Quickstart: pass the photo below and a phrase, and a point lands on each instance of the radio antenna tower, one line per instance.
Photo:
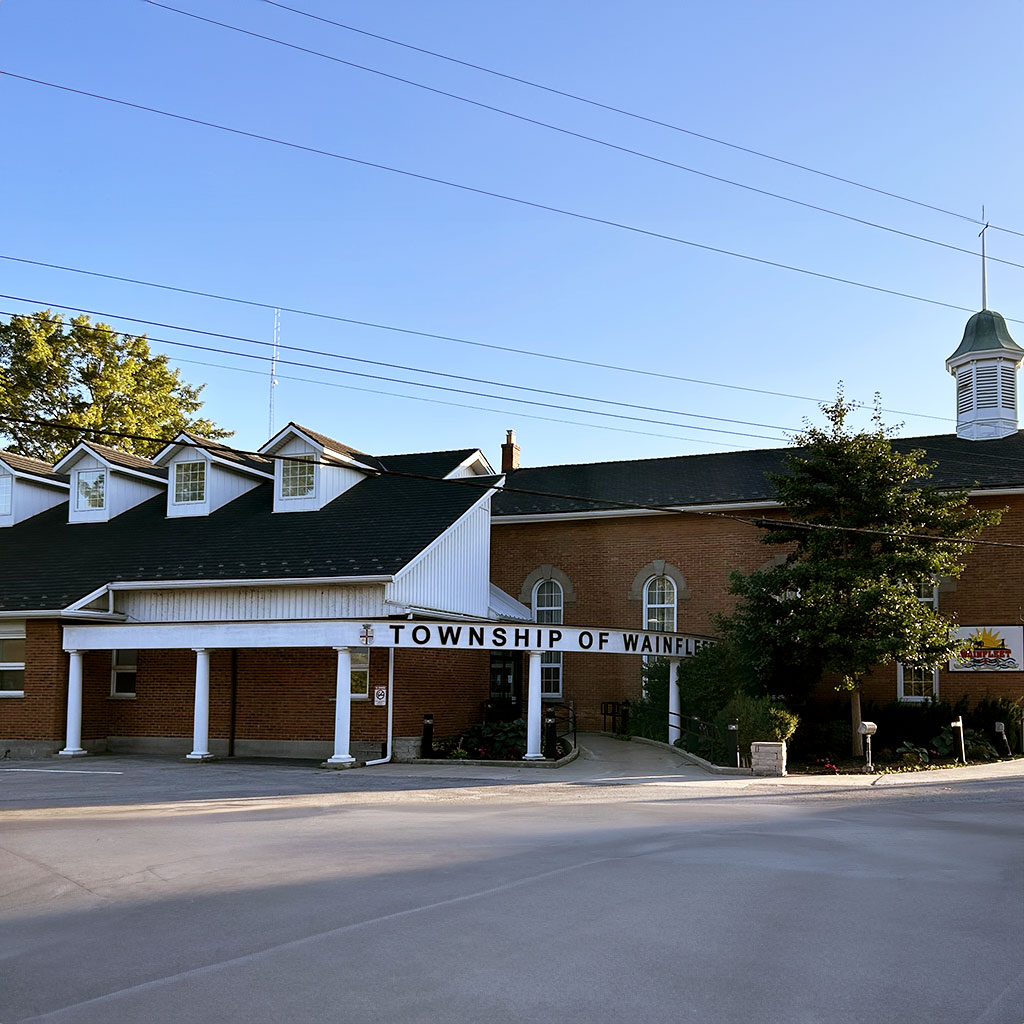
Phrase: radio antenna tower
(984, 264)
(273, 370)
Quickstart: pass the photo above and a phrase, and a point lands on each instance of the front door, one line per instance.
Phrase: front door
(506, 685)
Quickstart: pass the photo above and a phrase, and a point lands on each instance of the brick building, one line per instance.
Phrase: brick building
(228, 601)
(233, 599)
(569, 542)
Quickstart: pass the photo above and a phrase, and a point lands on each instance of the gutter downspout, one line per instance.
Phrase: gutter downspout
(391, 708)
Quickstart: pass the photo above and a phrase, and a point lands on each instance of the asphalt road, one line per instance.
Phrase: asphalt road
(625, 887)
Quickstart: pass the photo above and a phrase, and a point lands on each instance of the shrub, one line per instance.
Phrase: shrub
(498, 741)
(759, 719)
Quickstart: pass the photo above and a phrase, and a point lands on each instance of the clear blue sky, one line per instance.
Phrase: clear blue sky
(920, 99)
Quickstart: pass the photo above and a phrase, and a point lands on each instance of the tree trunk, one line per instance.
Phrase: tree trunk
(857, 743)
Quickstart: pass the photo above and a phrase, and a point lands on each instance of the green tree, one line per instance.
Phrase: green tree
(844, 596)
(88, 375)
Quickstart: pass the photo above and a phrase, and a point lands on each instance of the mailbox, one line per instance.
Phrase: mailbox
(867, 728)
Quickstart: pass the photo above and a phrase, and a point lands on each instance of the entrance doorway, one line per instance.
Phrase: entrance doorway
(506, 701)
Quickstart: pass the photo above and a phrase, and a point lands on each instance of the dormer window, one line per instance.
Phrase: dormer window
(189, 482)
(90, 489)
(6, 488)
(298, 477)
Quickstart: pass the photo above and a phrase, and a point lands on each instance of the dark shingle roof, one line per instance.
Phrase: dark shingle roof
(436, 464)
(222, 451)
(126, 460)
(729, 477)
(35, 467)
(337, 446)
(375, 528)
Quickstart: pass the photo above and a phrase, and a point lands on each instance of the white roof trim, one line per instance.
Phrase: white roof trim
(165, 455)
(292, 431)
(477, 457)
(416, 559)
(619, 513)
(48, 481)
(82, 448)
(283, 581)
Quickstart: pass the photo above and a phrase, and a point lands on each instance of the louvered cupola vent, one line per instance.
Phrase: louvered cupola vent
(985, 367)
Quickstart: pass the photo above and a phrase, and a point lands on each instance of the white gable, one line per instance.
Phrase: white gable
(101, 490)
(23, 496)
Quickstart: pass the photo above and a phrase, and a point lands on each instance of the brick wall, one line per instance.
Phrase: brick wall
(601, 557)
(41, 714)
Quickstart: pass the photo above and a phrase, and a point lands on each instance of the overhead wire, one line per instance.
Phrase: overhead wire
(637, 116)
(452, 376)
(439, 337)
(488, 484)
(459, 391)
(579, 135)
(588, 218)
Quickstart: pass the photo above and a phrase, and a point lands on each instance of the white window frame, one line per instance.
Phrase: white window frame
(927, 593)
(189, 485)
(13, 631)
(672, 605)
(359, 686)
(6, 494)
(120, 668)
(550, 612)
(291, 465)
(86, 506)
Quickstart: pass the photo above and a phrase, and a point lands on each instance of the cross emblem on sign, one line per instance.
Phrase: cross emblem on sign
(367, 634)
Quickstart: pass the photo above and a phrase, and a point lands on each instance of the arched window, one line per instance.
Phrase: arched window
(548, 605)
(660, 604)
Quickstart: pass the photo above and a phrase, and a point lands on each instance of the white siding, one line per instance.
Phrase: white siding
(330, 480)
(232, 604)
(29, 499)
(453, 574)
(121, 493)
(222, 485)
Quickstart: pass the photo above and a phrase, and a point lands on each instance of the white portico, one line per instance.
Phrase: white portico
(344, 636)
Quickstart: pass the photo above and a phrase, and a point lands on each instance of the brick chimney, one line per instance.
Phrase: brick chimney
(509, 453)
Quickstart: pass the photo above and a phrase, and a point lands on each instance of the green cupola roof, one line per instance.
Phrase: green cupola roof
(986, 334)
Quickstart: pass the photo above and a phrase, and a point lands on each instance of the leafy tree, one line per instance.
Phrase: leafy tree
(844, 597)
(88, 375)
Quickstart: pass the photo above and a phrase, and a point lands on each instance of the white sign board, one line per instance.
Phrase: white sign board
(464, 636)
(380, 696)
(989, 649)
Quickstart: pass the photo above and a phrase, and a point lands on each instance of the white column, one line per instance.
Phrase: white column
(674, 701)
(73, 745)
(343, 709)
(201, 716)
(533, 752)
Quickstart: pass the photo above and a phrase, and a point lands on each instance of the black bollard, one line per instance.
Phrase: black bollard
(550, 734)
(624, 720)
(427, 747)
(733, 729)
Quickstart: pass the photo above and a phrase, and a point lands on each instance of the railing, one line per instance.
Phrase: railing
(560, 721)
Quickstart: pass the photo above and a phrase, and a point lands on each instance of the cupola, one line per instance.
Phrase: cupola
(985, 367)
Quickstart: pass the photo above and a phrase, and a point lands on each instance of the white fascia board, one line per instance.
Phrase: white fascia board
(479, 459)
(412, 563)
(617, 513)
(286, 581)
(63, 613)
(431, 614)
(237, 467)
(47, 481)
(73, 456)
(82, 448)
(996, 492)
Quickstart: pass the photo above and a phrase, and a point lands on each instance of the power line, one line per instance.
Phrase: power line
(604, 221)
(578, 135)
(426, 334)
(434, 373)
(464, 405)
(637, 116)
(488, 485)
(458, 391)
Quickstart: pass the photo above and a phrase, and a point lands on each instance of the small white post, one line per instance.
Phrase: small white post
(201, 714)
(533, 752)
(674, 702)
(73, 744)
(343, 709)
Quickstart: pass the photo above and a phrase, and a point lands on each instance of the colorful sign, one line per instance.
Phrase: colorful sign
(989, 649)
